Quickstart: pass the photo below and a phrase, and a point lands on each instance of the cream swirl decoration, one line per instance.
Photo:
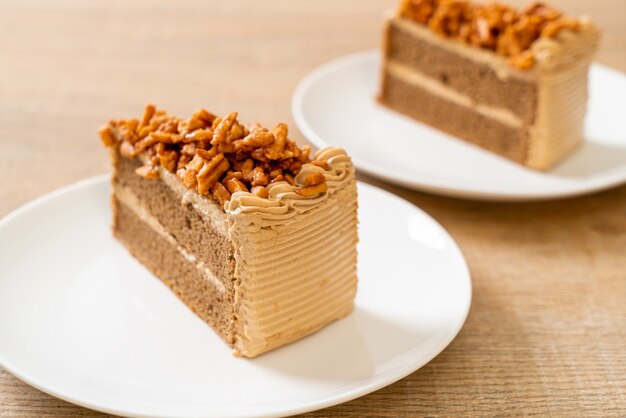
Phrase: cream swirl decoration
(568, 49)
(283, 201)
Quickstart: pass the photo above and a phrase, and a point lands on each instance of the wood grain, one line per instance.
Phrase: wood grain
(547, 328)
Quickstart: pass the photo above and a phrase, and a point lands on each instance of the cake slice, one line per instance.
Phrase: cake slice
(258, 239)
(512, 82)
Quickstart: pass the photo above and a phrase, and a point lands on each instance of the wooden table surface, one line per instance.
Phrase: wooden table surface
(546, 334)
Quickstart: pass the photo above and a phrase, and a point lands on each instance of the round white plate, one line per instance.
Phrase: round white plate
(335, 105)
(82, 320)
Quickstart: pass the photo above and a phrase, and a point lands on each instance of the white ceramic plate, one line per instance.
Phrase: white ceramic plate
(334, 105)
(82, 320)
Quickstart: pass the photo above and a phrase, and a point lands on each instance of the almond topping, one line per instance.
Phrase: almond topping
(312, 190)
(260, 191)
(234, 185)
(502, 29)
(220, 193)
(215, 156)
(148, 172)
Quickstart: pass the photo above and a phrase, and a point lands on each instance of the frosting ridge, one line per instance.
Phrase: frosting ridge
(296, 256)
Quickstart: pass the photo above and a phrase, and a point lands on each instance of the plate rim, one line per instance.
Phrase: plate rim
(444, 187)
(335, 397)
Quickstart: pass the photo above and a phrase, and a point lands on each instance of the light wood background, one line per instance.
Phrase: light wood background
(546, 334)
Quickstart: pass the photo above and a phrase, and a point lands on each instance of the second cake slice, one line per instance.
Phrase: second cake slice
(513, 82)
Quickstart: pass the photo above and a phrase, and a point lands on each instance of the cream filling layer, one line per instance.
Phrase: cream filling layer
(412, 76)
(128, 198)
